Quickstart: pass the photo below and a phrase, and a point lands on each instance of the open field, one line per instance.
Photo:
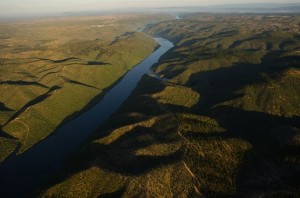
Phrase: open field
(52, 69)
(227, 123)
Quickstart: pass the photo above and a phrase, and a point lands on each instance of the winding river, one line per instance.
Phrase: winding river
(21, 174)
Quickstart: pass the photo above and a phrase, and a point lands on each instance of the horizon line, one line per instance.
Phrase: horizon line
(145, 8)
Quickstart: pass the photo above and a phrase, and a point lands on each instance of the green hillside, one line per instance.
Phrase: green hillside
(53, 69)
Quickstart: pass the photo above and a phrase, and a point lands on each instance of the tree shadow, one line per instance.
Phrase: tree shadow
(117, 193)
(22, 83)
(34, 102)
(6, 135)
(93, 63)
(4, 108)
(78, 83)
(210, 135)
(73, 61)
(126, 35)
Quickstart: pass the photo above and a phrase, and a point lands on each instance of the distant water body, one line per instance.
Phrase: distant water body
(21, 174)
(178, 17)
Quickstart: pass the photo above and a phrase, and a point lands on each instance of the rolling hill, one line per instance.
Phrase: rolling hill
(225, 123)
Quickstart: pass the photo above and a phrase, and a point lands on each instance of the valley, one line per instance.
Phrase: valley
(225, 123)
(218, 115)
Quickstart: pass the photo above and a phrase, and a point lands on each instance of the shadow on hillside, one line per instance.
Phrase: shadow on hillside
(126, 35)
(115, 194)
(93, 63)
(22, 83)
(59, 61)
(201, 136)
(3, 134)
(252, 38)
(251, 125)
(73, 60)
(223, 84)
(78, 83)
(140, 106)
(6, 135)
(267, 167)
(4, 108)
(34, 102)
(128, 153)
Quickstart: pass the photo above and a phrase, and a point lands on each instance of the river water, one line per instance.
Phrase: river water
(21, 174)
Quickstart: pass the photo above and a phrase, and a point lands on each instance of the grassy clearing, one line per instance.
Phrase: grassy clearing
(185, 97)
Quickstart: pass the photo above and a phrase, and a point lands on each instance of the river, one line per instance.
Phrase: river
(22, 174)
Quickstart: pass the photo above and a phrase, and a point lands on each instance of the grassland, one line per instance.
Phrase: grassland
(225, 124)
(52, 69)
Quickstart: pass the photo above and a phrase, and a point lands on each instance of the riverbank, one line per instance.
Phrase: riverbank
(48, 81)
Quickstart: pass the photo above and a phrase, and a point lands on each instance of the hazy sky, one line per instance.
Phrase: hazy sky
(15, 7)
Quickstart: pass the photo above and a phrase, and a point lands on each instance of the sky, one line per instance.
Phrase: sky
(23, 7)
